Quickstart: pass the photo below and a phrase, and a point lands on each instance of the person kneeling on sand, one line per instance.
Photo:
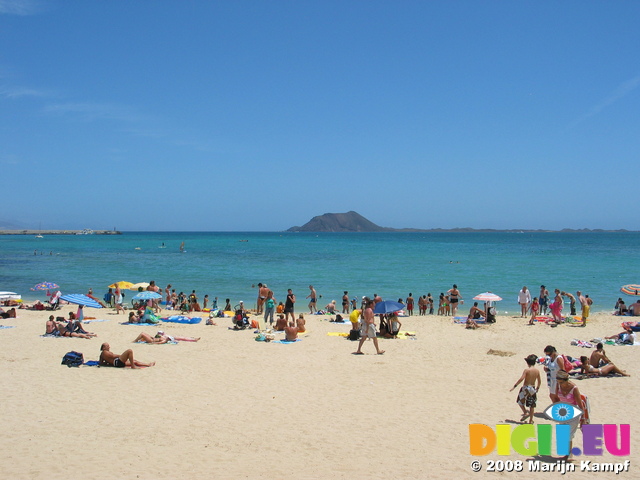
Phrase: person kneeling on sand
(110, 359)
(291, 332)
(161, 338)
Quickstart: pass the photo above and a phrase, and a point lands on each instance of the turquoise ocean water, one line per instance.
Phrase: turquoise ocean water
(226, 265)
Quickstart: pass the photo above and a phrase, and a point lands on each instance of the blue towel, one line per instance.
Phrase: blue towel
(141, 324)
(7, 326)
(92, 363)
(287, 341)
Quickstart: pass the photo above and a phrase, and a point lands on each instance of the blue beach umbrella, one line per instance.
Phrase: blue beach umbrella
(45, 286)
(387, 306)
(146, 296)
(80, 299)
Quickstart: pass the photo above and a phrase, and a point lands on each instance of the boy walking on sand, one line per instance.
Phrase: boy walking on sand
(527, 396)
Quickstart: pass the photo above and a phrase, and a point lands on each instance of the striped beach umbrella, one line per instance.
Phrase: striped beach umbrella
(487, 297)
(80, 299)
(631, 289)
(45, 286)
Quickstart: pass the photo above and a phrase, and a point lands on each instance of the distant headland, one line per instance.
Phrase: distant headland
(354, 222)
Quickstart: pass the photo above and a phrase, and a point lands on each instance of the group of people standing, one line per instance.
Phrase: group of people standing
(561, 388)
(541, 304)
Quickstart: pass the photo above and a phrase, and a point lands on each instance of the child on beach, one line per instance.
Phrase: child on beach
(527, 396)
(535, 308)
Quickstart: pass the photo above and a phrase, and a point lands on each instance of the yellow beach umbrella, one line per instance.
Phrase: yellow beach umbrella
(137, 286)
(122, 284)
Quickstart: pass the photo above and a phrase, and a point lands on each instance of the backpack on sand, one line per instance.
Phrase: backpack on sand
(73, 359)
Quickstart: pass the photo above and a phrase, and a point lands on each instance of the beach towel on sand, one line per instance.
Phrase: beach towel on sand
(287, 341)
(141, 324)
(462, 320)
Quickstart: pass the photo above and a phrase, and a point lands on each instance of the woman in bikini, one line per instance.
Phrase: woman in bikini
(454, 298)
(161, 338)
(588, 369)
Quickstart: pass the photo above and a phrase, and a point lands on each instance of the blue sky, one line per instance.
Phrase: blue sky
(258, 115)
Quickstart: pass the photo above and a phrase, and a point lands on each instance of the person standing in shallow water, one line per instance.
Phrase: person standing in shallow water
(345, 302)
(409, 303)
(543, 299)
(524, 299)
(313, 298)
(454, 299)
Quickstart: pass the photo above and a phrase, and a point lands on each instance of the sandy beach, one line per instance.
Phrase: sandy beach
(231, 407)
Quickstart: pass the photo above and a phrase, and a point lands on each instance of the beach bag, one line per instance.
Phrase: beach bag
(354, 335)
(587, 409)
(568, 365)
(73, 359)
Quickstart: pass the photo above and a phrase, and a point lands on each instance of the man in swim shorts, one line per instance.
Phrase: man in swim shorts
(313, 298)
(110, 359)
(263, 290)
(543, 299)
(368, 329)
(586, 307)
(528, 394)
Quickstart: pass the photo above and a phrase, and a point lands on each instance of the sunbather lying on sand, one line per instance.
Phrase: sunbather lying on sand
(108, 358)
(162, 338)
(63, 329)
(586, 368)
